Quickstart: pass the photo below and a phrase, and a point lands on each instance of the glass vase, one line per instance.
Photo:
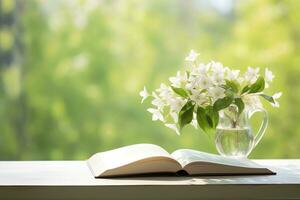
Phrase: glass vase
(234, 134)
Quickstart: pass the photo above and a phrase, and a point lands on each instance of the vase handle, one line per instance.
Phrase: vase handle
(263, 125)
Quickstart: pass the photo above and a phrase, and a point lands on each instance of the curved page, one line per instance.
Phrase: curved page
(134, 159)
(188, 156)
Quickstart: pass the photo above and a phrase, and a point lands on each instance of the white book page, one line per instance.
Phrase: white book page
(187, 156)
(112, 159)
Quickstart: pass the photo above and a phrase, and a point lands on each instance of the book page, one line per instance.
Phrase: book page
(188, 156)
(117, 161)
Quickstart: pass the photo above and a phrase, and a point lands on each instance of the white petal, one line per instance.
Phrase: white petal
(269, 75)
(151, 110)
(277, 95)
(194, 123)
(144, 94)
(155, 95)
(276, 104)
(173, 127)
(156, 114)
(216, 92)
(174, 115)
(233, 74)
(158, 103)
(251, 74)
(192, 56)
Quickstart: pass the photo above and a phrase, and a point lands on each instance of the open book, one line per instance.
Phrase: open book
(148, 158)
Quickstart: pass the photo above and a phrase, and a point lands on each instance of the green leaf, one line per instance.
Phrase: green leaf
(232, 85)
(258, 86)
(213, 115)
(229, 93)
(226, 87)
(207, 118)
(180, 91)
(202, 120)
(223, 103)
(240, 104)
(268, 98)
(245, 89)
(186, 114)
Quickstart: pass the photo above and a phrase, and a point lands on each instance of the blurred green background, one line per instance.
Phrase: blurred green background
(71, 70)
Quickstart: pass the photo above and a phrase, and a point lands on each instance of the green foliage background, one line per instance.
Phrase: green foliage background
(73, 88)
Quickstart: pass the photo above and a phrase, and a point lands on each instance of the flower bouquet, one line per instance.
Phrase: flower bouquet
(204, 93)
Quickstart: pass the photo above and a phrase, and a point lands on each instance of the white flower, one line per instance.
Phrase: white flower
(176, 103)
(218, 79)
(178, 79)
(268, 77)
(251, 74)
(174, 116)
(173, 127)
(159, 103)
(240, 80)
(216, 93)
(276, 96)
(204, 82)
(218, 73)
(202, 69)
(192, 56)
(198, 97)
(217, 67)
(175, 80)
(156, 114)
(191, 84)
(252, 101)
(144, 94)
(164, 91)
(233, 74)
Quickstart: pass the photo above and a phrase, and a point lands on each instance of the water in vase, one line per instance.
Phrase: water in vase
(234, 142)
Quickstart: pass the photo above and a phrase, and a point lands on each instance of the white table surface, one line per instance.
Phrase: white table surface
(73, 180)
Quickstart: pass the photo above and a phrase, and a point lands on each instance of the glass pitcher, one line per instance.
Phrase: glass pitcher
(234, 135)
